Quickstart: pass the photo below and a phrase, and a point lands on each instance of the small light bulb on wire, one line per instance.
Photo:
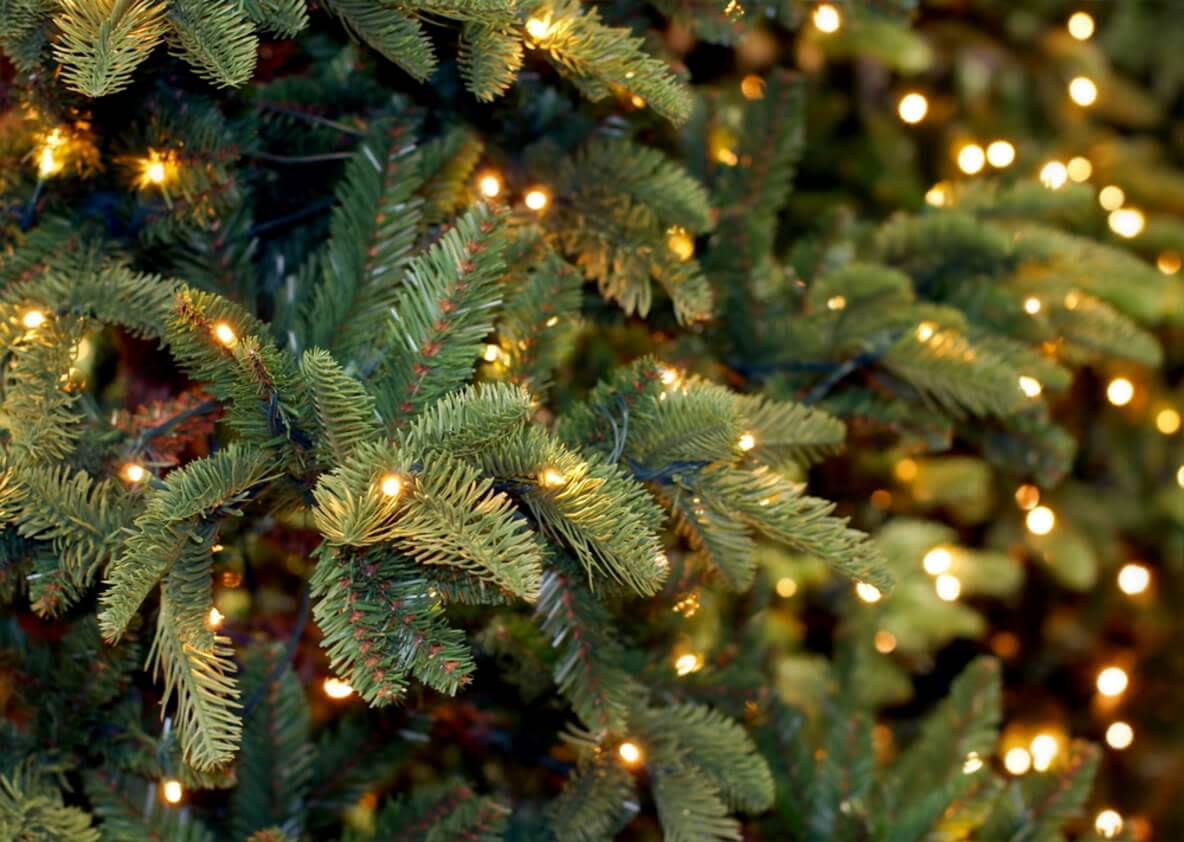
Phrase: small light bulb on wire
(215, 618)
(1083, 91)
(536, 199)
(972, 763)
(679, 241)
(1167, 421)
(867, 592)
(913, 107)
(172, 791)
(786, 587)
(827, 18)
(752, 87)
(538, 28)
(225, 334)
(156, 170)
(391, 485)
(1079, 169)
(134, 472)
(630, 753)
(747, 441)
(337, 689)
(491, 354)
(33, 319)
(688, 663)
(1044, 750)
(1030, 386)
(938, 195)
(884, 641)
(1032, 305)
(490, 186)
(1169, 262)
(552, 478)
(948, 587)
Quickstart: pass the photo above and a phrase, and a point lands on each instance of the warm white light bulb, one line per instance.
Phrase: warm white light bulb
(1030, 386)
(1081, 25)
(1120, 391)
(747, 442)
(172, 791)
(913, 107)
(948, 587)
(1040, 520)
(33, 319)
(536, 200)
(827, 18)
(1108, 824)
(1111, 197)
(1119, 735)
(335, 688)
(1053, 175)
(490, 186)
(1000, 154)
(225, 334)
(867, 592)
(971, 158)
(392, 485)
(1017, 761)
(1126, 222)
(1133, 579)
(937, 561)
(630, 752)
(1112, 681)
(1083, 91)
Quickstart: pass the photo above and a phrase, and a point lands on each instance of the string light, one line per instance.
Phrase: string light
(687, 664)
(551, 322)
(630, 752)
(133, 472)
(971, 158)
(1133, 579)
(1017, 761)
(925, 331)
(215, 618)
(1040, 520)
(636, 101)
(172, 791)
(868, 593)
(33, 319)
(491, 354)
(337, 689)
(490, 186)
(1167, 421)
(538, 28)
(225, 334)
(1112, 681)
(913, 107)
(1080, 169)
(1108, 824)
(1126, 222)
(1081, 25)
(836, 302)
(1044, 751)
(752, 87)
(1168, 262)
(948, 587)
(536, 199)
(1111, 197)
(884, 641)
(938, 195)
(1027, 497)
(786, 587)
(747, 442)
(156, 170)
(679, 241)
(1119, 735)
(937, 561)
(1083, 91)
(1030, 386)
(48, 162)
(1000, 154)
(972, 764)
(827, 18)
(1032, 306)
(1053, 175)
(391, 485)
(1120, 391)
(552, 478)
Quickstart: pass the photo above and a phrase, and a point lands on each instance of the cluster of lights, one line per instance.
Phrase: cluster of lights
(1129, 222)
(490, 186)
(972, 158)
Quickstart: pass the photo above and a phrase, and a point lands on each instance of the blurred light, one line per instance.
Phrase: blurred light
(786, 587)
(1081, 25)
(1111, 197)
(1017, 761)
(551, 322)
(1127, 222)
(905, 470)
(687, 664)
(1133, 579)
(1168, 262)
(536, 200)
(868, 593)
(668, 376)
(1041, 520)
(1167, 421)
(630, 753)
(913, 107)
(827, 18)
(33, 319)
(490, 186)
(1005, 644)
(537, 28)
(1080, 169)
(491, 354)
(753, 87)
(1031, 306)
(679, 241)
(215, 618)
(335, 688)
(636, 101)
(925, 331)
(1119, 735)
(937, 561)
(1000, 154)
(726, 156)
(392, 485)
(553, 478)
(885, 642)
(747, 442)
(172, 791)
(1180, 476)
(1083, 91)
(1027, 496)
(224, 333)
(836, 302)
(1044, 751)
(948, 587)
(938, 195)
(973, 763)
(881, 498)
(1112, 681)
(1108, 824)
(1053, 175)
(1030, 386)
(971, 158)
(134, 472)
(1120, 391)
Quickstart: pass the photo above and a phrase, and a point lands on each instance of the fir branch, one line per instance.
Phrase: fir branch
(102, 42)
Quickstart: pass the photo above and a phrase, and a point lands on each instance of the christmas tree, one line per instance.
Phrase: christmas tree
(556, 420)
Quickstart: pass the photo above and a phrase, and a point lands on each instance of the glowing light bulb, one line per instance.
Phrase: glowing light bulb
(392, 485)
(1108, 824)
(1180, 476)
(971, 158)
(133, 472)
(155, 170)
(1027, 496)
(1044, 751)
(1133, 579)
(913, 107)
(687, 664)
(1040, 520)
(867, 592)
(885, 642)
(727, 157)
(679, 241)
(938, 195)
(747, 442)
(906, 470)
(1126, 222)
(1119, 735)
(752, 87)
(538, 28)
(937, 561)
(972, 764)
(1081, 25)
(836, 302)
(491, 354)
(948, 587)
(1112, 681)
(1053, 175)
(1169, 262)
(48, 163)
(1111, 197)
(172, 791)
(225, 334)
(1000, 154)
(490, 186)
(1017, 761)
(1080, 169)
(630, 752)
(925, 331)
(1032, 306)
(1083, 91)
(552, 478)
(1167, 421)
(215, 618)
(827, 18)
(536, 200)
(33, 319)
(1120, 391)
(786, 587)
(335, 688)
(668, 377)
(1030, 386)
